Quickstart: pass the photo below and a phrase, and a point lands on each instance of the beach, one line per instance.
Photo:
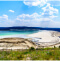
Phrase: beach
(16, 43)
(47, 38)
(37, 40)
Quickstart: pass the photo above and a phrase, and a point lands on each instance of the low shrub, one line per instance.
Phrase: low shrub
(59, 46)
(20, 57)
(54, 46)
(32, 49)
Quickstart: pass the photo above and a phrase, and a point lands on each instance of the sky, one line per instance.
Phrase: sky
(31, 13)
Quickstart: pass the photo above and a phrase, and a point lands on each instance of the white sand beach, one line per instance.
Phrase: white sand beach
(45, 36)
(41, 39)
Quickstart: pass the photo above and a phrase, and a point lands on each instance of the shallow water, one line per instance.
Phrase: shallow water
(19, 33)
(2, 33)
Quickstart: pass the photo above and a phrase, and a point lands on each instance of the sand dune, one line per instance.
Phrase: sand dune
(16, 43)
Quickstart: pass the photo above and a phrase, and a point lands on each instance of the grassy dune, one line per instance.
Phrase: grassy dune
(31, 54)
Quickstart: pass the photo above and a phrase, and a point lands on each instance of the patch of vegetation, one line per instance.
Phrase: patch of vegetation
(32, 49)
(20, 57)
(59, 46)
(32, 54)
(54, 47)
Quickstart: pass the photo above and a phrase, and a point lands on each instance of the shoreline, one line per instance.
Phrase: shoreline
(16, 43)
(40, 39)
(47, 38)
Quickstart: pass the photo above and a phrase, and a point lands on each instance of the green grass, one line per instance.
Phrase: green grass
(39, 54)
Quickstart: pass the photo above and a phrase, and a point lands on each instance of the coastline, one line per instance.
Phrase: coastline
(16, 43)
(40, 39)
(47, 38)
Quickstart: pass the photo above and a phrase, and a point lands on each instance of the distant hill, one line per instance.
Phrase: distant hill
(28, 28)
(18, 28)
(53, 29)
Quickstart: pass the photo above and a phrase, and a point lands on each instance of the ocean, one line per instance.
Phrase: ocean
(19, 33)
(6, 32)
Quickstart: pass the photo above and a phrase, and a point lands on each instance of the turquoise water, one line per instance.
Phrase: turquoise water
(4, 33)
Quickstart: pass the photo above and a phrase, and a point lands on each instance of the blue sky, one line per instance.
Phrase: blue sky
(34, 13)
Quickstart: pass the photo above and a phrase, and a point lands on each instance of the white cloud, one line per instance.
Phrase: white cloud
(35, 2)
(41, 2)
(11, 11)
(31, 20)
(48, 14)
(35, 20)
(49, 8)
(43, 19)
(54, 2)
(5, 21)
(49, 11)
(35, 17)
(4, 17)
(27, 17)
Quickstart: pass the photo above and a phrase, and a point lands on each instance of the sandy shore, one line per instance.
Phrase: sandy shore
(36, 40)
(16, 43)
(47, 38)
